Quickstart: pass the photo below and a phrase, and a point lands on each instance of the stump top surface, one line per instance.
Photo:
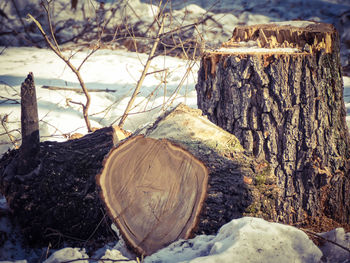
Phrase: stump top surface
(154, 192)
(281, 37)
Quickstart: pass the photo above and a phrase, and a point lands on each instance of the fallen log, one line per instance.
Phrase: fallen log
(183, 176)
(237, 185)
(278, 87)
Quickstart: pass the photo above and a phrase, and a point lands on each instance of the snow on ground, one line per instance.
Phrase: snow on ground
(116, 71)
(243, 240)
(248, 240)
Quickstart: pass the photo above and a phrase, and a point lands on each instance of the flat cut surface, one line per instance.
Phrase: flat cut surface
(154, 191)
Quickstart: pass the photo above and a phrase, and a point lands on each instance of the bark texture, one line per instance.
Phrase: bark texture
(286, 106)
(58, 201)
(238, 185)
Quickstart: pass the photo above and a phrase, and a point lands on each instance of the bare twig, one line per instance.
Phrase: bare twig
(143, 75)
(76, 89)
(89, 55)
(157, 71)
(4, 120)
(47, 9)
(2, 51)
(325, 239)
(14, 101)
(73, 68)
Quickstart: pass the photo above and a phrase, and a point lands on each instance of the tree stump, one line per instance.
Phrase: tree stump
(278, 88)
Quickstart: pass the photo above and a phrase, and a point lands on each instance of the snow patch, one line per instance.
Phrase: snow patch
(67, 254)
(335, 253)
(249, 240)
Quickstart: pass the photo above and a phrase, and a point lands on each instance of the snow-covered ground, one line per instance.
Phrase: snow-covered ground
(116, 71)
(241, 240)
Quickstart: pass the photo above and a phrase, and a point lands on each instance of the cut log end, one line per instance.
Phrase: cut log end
(290, 36)
(154, 191)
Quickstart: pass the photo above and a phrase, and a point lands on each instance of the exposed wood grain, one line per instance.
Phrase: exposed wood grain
(154, 190)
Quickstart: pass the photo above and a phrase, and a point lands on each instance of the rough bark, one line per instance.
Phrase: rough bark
(282, 96)
(58, 202)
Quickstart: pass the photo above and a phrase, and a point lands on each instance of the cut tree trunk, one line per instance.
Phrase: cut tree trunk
(279, 89)
(184, 175)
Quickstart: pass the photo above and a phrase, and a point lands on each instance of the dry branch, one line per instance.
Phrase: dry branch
(73, 68)
(76, 89)
(143, 75)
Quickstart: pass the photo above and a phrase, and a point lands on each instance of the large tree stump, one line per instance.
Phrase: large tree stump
(184, 175)
(278, 88)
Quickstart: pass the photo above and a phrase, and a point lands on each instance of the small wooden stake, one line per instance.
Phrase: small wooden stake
(30, 126)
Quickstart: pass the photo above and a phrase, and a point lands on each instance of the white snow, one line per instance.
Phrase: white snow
(339, 254)
(67, 254)
(113, 70)
(241, 240)
(247, 239)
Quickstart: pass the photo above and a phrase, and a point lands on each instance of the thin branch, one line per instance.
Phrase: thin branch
(77, 90)
(144, 72)
(157, 71)
(75, 71)
(325, 239)
(89, 55)
(10, 131)
(47, 9)
(2, 51)
(14, 101)
(75, 102)
(4, 120)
